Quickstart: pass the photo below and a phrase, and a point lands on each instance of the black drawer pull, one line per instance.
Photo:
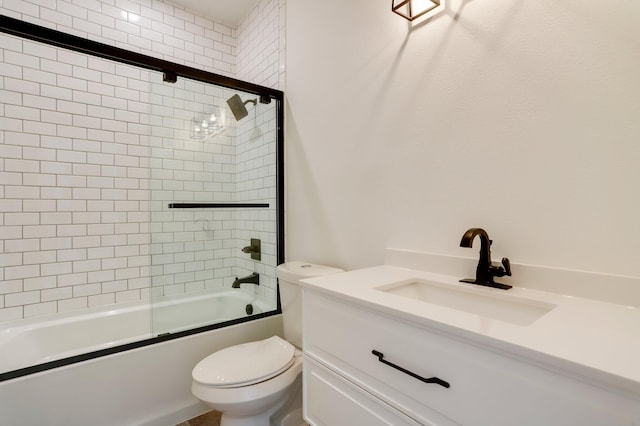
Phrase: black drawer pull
(435, 380)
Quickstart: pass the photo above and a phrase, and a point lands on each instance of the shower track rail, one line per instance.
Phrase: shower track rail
(171, 71)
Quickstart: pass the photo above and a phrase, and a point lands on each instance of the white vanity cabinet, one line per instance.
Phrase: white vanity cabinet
(345, 383)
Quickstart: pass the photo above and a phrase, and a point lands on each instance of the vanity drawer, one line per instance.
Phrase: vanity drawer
(486, 388)
(334, 401)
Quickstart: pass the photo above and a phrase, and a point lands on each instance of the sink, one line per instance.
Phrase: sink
(499, 306)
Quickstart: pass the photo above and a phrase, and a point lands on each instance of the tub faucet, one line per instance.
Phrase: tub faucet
(249, 279)
(485, 270)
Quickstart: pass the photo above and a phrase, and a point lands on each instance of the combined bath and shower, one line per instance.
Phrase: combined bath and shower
(238, 106)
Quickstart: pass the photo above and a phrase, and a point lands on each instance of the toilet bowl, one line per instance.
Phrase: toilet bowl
(260, 383)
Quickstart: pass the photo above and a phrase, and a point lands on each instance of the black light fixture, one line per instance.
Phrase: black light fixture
(412, 9)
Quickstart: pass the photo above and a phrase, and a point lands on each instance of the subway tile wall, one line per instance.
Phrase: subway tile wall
(83, 203)
(261, 44)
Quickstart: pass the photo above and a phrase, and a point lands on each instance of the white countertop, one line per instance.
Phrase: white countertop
(597, 340)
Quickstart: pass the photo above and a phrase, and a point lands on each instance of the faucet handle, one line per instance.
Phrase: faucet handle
(507, 266)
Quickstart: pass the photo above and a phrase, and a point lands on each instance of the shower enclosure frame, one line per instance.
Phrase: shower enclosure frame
(171, 72)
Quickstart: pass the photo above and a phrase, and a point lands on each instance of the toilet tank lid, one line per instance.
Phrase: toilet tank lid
(245, 364)
(296, 270)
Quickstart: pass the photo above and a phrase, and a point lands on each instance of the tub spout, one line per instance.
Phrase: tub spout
(249, 279)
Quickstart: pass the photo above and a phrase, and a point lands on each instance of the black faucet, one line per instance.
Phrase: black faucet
(249, 279)
(485, 270)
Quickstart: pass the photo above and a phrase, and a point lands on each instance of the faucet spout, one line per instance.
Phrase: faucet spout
(485, 271)
(249, 279)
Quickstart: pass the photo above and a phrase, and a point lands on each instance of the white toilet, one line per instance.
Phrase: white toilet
(260, 383)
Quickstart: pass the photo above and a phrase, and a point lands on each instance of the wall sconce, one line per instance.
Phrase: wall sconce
(207, 124)
(412, 9)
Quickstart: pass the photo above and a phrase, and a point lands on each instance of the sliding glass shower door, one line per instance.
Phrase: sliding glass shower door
(213, 191)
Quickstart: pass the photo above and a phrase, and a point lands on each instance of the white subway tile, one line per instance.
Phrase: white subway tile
(39, 231)
(86, 169)
(20, 85)
(39, 76)
(56, 294)
(55, 218)
(71, 132)
(57, 243)
(114, 286)
(20, 59)
(71, 205)
(100, 206)
(100, 229)
(128, 296)
(84, 242)
(55, 193)
(86, 26)
(86, 217)
(124, 173)
(71, 255)
(10, 313)
(39, 283)
(85, 265)
(44, 154)
(59, 268)
(38, 309)
(99, 18)
(53, 167)
(100, 252)
(86, 289)
(72, 279)
(71, 9)
(102, 299)
(101, 276)
(114, 263)
(87, 98)
(21, 113)
(21, 219)
(72, 304)
(55, 92)
(24, 298)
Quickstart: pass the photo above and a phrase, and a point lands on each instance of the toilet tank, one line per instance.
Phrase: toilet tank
(289, 275)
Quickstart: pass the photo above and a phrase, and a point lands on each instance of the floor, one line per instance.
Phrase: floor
(212, 418)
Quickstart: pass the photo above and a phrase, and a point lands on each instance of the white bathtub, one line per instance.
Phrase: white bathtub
(35, 341)
(148, 385)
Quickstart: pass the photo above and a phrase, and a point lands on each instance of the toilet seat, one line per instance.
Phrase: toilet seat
(245, 364)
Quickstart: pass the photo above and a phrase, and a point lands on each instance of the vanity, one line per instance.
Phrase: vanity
(406, 343)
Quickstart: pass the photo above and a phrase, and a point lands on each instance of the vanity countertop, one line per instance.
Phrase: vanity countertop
(596, 340)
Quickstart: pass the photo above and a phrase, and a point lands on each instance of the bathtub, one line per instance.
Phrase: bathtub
(39, 340)
(146, 385)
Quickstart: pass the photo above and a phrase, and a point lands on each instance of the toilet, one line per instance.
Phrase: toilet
(260, 383)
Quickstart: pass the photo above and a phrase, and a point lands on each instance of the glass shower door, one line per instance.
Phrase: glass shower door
(213, 191)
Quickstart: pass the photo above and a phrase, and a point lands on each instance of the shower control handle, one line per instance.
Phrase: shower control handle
(254, 249)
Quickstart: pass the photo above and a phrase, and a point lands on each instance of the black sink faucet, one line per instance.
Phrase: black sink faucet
(485, 270)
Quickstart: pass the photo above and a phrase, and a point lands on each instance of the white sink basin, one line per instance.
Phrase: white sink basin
(488, 303)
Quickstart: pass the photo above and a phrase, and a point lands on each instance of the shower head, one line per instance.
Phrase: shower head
(238, 107)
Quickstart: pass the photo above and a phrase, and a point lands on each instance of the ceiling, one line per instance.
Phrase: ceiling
(228, 11)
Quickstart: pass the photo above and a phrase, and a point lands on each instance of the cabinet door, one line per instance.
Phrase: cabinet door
(333, 401)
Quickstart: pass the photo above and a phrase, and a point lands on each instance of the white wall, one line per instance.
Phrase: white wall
(519, 117)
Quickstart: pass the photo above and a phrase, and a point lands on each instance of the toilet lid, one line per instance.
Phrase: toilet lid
(245, 364)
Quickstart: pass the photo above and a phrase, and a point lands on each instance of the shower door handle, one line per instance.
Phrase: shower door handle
(434, 380)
